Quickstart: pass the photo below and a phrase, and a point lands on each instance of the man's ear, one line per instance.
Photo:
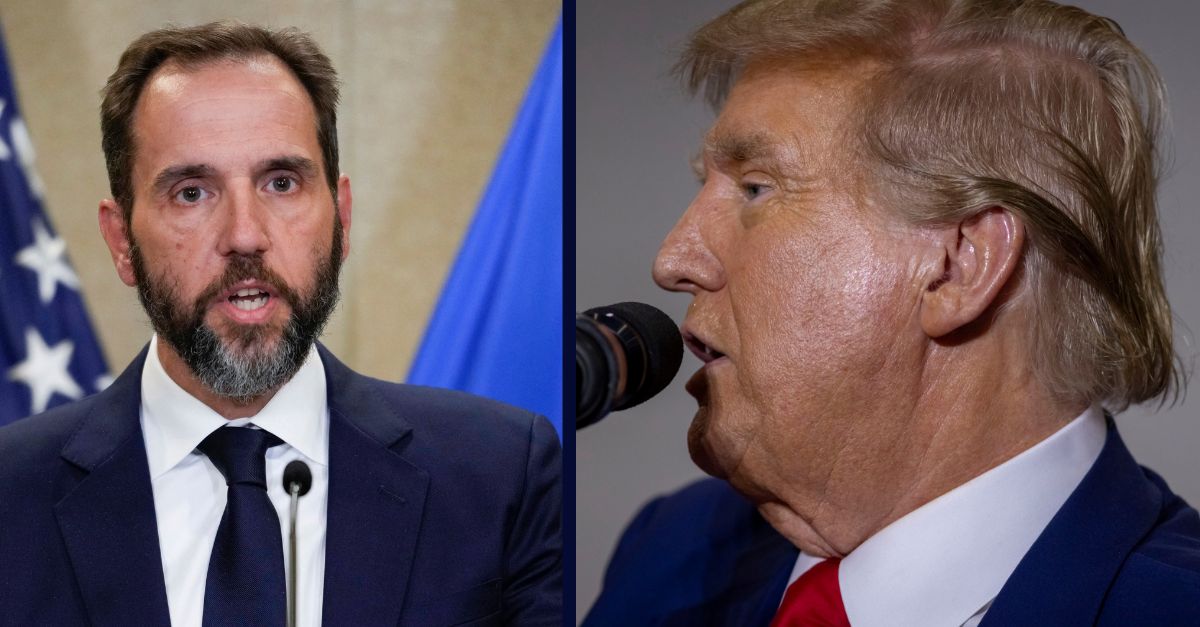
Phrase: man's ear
(344, 210)
(980, 256)
(116, 234)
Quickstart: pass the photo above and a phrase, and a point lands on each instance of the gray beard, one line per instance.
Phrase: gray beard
(244, 367)
(243, 377)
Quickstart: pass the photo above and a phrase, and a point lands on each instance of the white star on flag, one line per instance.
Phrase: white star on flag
(45, 370)
(47, 257)
(19, 135)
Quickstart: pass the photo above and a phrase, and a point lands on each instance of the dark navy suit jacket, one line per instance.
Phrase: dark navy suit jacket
(444, 509)
(1122, 551)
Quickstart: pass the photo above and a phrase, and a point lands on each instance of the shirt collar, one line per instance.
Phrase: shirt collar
(174, 422)
(943, 562)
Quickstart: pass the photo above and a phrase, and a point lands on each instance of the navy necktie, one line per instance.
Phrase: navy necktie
(245, 583)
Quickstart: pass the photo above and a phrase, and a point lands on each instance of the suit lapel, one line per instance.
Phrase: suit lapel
(107, 521)
(376, 501)
(744, 584)
(764, 573)
(1065, 576)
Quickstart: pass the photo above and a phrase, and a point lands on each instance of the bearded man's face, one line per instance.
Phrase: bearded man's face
(247, 360)
(235, 240)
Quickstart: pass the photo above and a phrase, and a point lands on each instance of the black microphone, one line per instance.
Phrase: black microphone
(624, 354)
(297, 481)
(296, 475)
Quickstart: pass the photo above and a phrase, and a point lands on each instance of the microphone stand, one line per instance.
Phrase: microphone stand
(294, 490)
(297, 480)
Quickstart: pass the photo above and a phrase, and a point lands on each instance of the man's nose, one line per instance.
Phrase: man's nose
(245, 228)
(686, 261)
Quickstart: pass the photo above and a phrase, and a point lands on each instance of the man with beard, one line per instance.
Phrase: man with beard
(160, 500)
(924, 270)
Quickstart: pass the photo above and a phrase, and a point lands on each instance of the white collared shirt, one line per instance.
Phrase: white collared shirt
(943, 564)
(190, 493)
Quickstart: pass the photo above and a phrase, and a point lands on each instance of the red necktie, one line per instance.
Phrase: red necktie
(813, 600)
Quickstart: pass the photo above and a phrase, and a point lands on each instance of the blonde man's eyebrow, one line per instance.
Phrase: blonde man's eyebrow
(738, 147)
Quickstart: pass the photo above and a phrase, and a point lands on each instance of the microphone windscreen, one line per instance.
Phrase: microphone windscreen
(661, 341)
(297, 472)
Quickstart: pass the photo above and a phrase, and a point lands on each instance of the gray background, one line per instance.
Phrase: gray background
(635, 132)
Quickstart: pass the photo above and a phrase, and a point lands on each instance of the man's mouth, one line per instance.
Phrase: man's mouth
(699, 348)
(248, 302)
(250, 299)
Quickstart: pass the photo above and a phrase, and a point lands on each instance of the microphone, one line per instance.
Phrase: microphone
(624, 354)
(297, 481)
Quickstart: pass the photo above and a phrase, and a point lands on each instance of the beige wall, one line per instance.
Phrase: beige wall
(430, 89)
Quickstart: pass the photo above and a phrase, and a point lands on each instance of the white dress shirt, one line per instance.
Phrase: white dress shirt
(943, 564)
(190, 493)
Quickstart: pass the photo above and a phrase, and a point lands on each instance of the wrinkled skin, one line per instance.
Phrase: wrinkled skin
(833, 406)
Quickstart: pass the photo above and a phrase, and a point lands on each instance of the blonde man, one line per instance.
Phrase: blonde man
(924, 269)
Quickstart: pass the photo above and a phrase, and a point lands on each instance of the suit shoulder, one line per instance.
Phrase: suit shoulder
(1174, 541)
(449, 403)
(1173, 583)
(417, 400)
(1164, 566)
(452, 410)
(31, 448)
(705, 513)
(41, 435)
(698, 554)
(704, 499)
(462, 433)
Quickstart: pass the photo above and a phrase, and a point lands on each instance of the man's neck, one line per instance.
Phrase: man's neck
(226, 407)
(974, 415)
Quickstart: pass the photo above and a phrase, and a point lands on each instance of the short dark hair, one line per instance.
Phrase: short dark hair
(195, 45)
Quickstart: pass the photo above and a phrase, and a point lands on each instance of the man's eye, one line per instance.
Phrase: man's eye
(190, 195)
(283, 184)
(752, 190)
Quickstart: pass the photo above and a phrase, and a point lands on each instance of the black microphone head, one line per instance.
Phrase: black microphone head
(297, 472)
(660, 339)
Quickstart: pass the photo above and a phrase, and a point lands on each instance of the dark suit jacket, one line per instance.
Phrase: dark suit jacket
(1122, 551)
(444, 509)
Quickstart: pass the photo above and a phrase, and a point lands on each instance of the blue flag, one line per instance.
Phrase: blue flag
(497, 329)
(48, 353)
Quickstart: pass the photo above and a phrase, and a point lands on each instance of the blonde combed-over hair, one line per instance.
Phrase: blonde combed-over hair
(1043, 109)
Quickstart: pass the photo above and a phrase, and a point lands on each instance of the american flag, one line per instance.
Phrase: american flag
(48, 352)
